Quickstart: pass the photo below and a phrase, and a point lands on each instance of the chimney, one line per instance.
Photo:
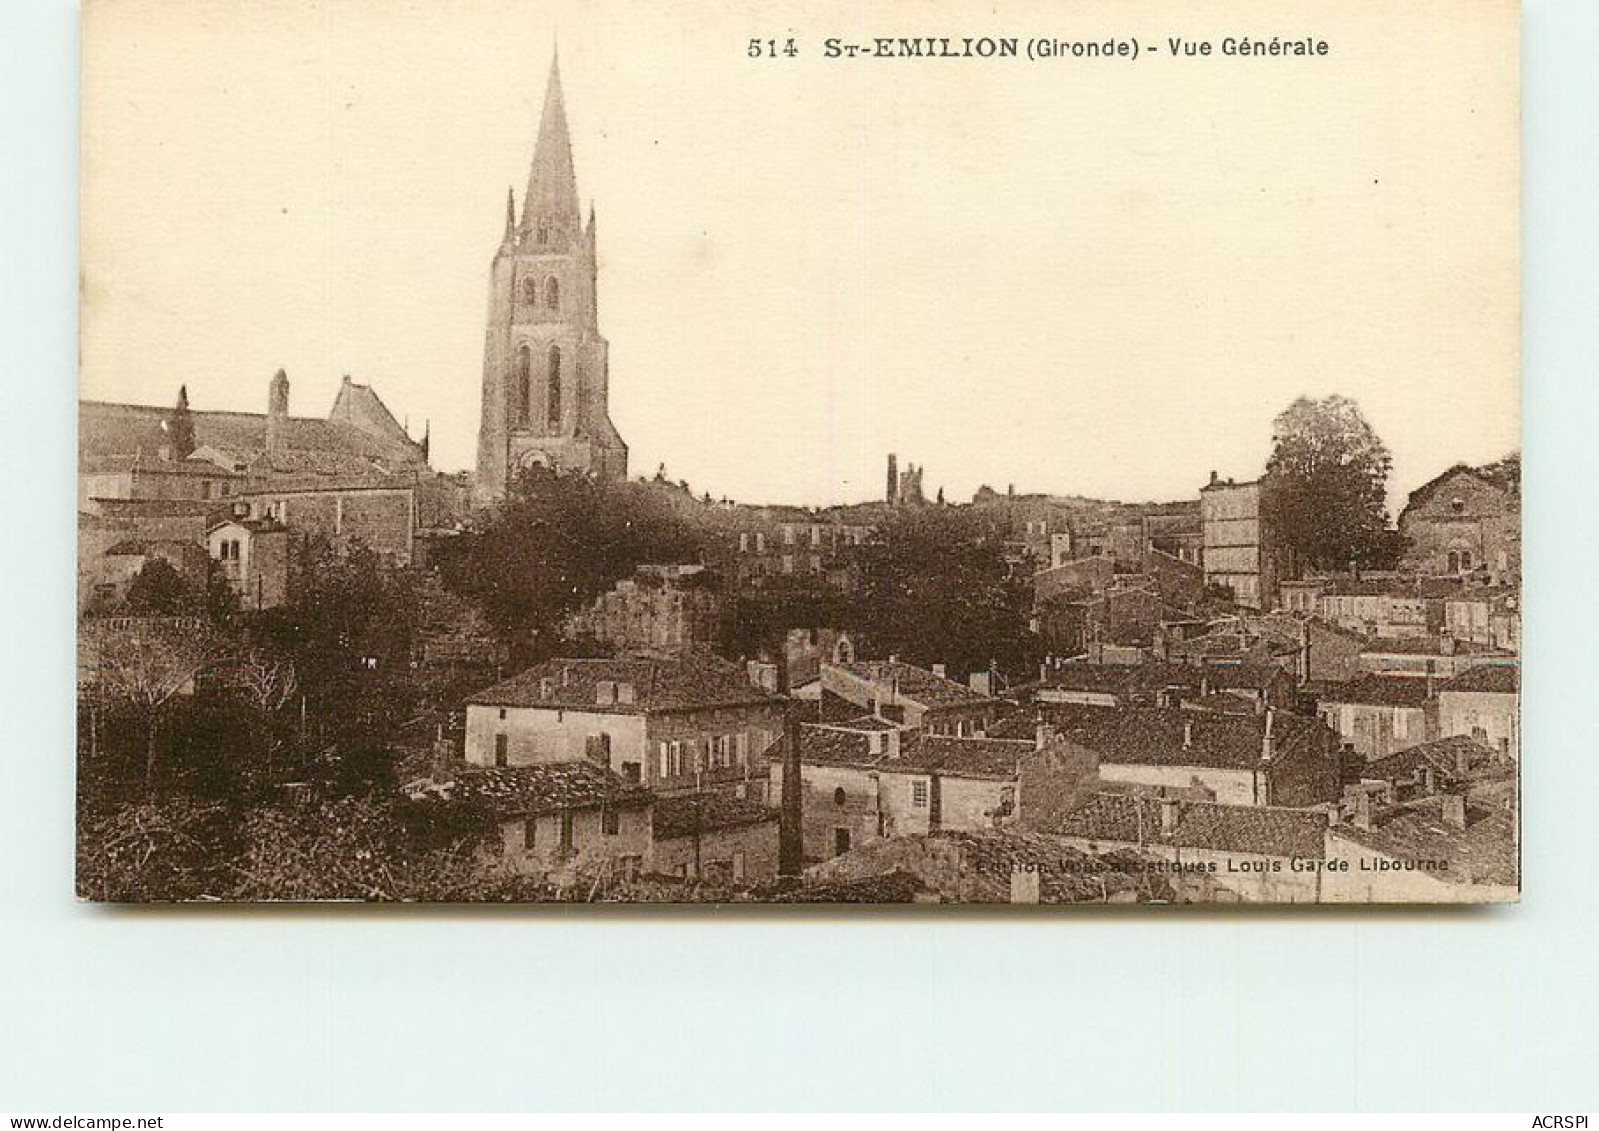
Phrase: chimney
(1024, 884)
(277, 421)
(1188, 734)
(1214, 479)
(1462, 762)
(940, 671)
(1267, 744)
(1043, 735)
(1169, 809)
(1429, 780)
(1455, 810)
(1260, 702)
(1204, 686)
(1363, 810)
(891, 496)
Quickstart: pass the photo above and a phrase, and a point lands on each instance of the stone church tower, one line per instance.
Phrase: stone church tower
(545, 374)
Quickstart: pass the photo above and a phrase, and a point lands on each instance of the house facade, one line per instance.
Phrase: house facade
(1465, 520)
(671, 724)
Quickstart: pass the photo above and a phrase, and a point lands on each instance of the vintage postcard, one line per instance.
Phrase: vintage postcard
(797, 452)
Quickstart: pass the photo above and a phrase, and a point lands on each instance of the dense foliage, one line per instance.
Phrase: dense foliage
(558, 542)
(1327, 485)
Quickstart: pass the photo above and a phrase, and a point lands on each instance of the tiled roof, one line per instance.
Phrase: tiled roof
(919, 753)
(530, 790)
(1422, 646)
(109, 429)
(678, 816)
(693, 682)
(161, 508)
(1121, 679)
(1243, 676)
(890, 887)
(915, 683)
(1379, 691)
(1444, 755)
(1256, 829)
(1160, 736)
(957, 757)
(1502, 678)
(1484, 852)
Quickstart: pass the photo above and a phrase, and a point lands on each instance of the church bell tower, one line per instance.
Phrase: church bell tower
(545, 373)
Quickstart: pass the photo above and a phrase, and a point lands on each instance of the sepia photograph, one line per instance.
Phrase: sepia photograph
(953, 470)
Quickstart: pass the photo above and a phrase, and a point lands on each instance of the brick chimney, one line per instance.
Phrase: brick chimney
(1268, 745)
(1170, 809)
(1363, 810)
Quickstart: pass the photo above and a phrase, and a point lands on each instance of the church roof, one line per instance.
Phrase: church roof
(552, 181)
(363, 433)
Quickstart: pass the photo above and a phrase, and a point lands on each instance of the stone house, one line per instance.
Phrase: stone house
(910, 696)
(555, 817)
(714, 837)
(1463, 521)
(1379, 715)
(1483, 703)
(252, 556)
(1240, 551)
(672, 724)
(860, 785)
(1442, 656)
(1267, 758)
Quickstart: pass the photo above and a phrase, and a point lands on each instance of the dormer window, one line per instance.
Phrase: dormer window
(1457, 504)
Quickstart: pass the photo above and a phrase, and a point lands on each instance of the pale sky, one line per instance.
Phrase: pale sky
(1080, 276)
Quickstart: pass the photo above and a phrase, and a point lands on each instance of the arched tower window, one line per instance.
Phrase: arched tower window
(552, 293)
(554, 414)
(522, 387)
(530, 291)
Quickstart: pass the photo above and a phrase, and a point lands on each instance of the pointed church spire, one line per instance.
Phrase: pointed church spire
(510, 218)
(549, 209)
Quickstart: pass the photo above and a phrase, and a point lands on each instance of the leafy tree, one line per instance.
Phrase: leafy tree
(934, 587)
(558, 542)
(158, 589)
(754, 619)
(1327, 483)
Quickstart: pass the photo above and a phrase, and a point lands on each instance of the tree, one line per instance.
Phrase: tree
(934, 587)
(179, 426)
(558, 542)
(142, 665)
(1326, 485)
(158, 589)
